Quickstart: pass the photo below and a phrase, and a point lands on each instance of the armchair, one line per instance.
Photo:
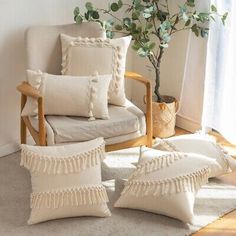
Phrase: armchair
(127, 127)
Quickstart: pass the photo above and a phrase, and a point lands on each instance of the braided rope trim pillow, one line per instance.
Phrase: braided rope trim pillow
(66, 180)
(160, 185)
(84, 56)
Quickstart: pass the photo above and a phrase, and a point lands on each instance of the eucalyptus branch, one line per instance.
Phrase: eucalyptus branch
(151, 24)
(109, 13)
(176, 31)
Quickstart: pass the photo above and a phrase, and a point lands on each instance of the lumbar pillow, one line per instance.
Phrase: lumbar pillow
(84, 56)
(163, 185)
(197, 143)
(66, 180)
(70, 95)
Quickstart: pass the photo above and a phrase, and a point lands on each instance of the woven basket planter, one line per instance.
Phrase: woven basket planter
(164, 117)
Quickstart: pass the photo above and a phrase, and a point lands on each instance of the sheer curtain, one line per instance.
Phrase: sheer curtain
(192, 93)
(219, 106)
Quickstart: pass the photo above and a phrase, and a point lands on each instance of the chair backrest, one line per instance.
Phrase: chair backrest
(43, 46)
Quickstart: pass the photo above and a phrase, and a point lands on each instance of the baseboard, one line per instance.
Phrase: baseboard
(8, 149)
(187, 124)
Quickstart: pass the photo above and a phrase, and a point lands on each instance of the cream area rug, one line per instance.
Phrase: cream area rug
(213, 200)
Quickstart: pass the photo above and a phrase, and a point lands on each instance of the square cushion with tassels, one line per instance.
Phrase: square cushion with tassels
(66, 180)
(165, 183)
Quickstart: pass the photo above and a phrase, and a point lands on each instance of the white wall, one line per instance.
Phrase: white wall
(15, 17)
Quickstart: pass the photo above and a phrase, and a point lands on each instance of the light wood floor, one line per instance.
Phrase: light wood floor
(226, 226)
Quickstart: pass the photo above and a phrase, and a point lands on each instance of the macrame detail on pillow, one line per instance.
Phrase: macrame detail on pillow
(96, 42)
(93, 95)
(157, 164)
(185, 183)
(224, 155)
(85, 195)
(59, 165)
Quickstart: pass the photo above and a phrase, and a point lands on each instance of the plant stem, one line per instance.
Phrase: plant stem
(158, 74)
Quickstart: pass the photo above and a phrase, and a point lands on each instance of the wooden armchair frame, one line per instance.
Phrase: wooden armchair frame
(39, 137)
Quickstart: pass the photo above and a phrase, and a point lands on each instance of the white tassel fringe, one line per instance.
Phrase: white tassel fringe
(61, 165)
(157, 164)
(187, 183)
(86, 195)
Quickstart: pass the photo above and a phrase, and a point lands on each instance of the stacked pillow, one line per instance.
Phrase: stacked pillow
(92, 75)
(166, 181)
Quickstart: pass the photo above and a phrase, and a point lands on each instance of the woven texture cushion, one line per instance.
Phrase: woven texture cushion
(125, 123)
(84, 56)
(165, 184)
(66, 180)
(69, 95)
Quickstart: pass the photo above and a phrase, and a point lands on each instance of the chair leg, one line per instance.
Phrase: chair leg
(22, 123)
(22, 131)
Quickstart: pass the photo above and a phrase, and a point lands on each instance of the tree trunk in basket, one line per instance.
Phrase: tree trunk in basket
(164, 117)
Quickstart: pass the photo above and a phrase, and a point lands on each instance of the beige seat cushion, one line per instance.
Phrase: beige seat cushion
(125, 123)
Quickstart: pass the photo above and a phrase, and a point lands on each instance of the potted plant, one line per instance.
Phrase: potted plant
(152, 23)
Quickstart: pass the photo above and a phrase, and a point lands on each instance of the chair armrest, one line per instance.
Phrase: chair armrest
(27, 90)
(147, 83)
(137, 77)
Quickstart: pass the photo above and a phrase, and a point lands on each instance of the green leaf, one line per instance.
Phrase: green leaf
(190, 3)
(195, 29)
(136, 46)
(89, 6)
(127, 22)
(164, 45)
(152, 46)
(224, 17)
(142, 52)
(76, 11)
(213, 8)
(95, 15)
(110, 34)
(188, 22)
(149, 26)
(204, 32)
(114, 7)
(120, 4)
(135, 15)
(78, 19)
(118, 27)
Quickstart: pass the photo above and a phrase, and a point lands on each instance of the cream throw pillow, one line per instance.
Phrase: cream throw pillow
(84, 56)
(70, 95)
(200, 144)
(66, 180)
(165, 184)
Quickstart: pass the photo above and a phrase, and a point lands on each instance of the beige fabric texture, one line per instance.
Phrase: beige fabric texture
(69, 95)
(84, 56)
(217, 167)
(15, 187)
(66, 180)
(43, 45)
(124, 121)
(200, 144)
(165, 184)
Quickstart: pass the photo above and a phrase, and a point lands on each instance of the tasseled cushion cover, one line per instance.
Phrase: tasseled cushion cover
(66, 180)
